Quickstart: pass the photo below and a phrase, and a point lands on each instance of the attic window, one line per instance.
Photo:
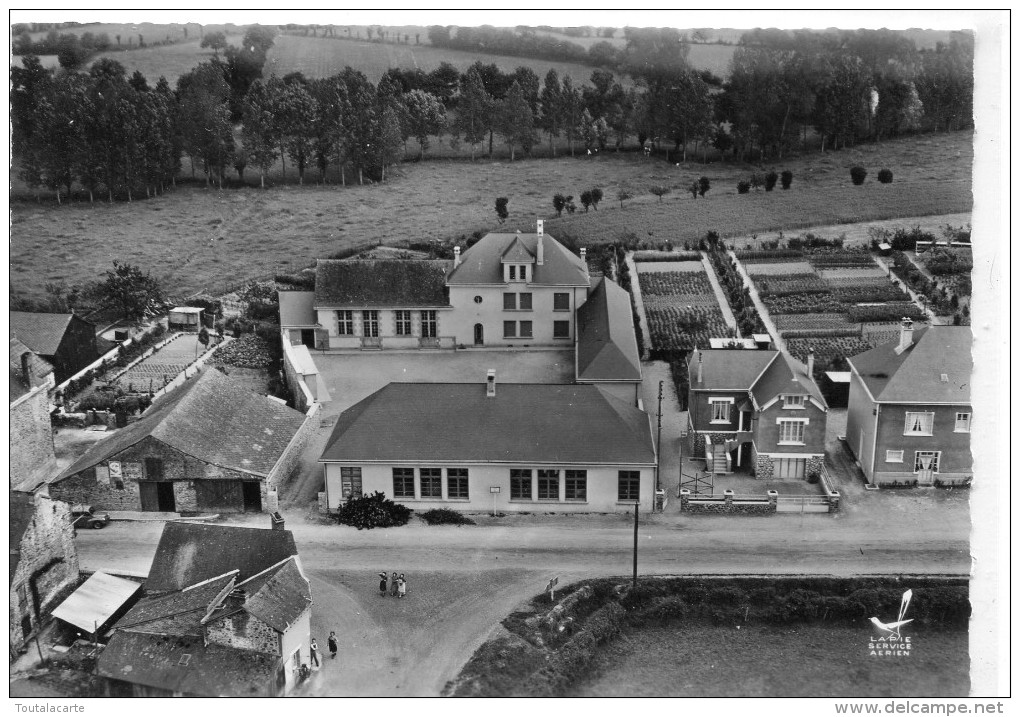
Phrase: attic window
(945, 378)
(793, 401)
(185, 659)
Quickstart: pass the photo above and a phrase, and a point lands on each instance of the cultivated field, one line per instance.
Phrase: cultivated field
(169, 61)
(681, 307)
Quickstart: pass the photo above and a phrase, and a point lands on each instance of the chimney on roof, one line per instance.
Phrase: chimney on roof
(490, 383)
(456, 257)
(811, 364)
(699, 368)
(26, 374)
(541, 249)
(584, 259)
(906, 335)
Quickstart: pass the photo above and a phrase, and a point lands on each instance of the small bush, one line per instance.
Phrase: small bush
(743, 187)
(445, 516)
(885, 176)
(372, 511)
(858, 174)
(786, 179)
(770, 181)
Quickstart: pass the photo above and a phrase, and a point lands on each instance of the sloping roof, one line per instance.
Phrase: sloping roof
(212, 418)
(728, 369)
(91, 606)
(38, 368)
(915, 375)
(517, 252)
(189, 553)
(278, 597)
(297, 308)
(42, 333)
(606, 342)
(20, 517)
(381, 283)
(176, 613)
(785, 376)
(482, 263)
(522, 423)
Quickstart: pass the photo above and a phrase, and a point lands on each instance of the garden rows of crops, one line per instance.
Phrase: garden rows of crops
(682, 310)
(951, 269)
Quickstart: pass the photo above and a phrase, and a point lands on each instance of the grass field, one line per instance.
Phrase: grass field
(195, 238)
(152, 32)
(169, 61)
(804, 661)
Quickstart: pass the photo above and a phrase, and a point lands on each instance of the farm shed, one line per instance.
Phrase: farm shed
(97, 603)
(186, 318)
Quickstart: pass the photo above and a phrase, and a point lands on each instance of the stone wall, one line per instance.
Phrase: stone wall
(31, 459)
(763, 467)
(292, 454)
(815, 464)
(243, 631)
(728, 506)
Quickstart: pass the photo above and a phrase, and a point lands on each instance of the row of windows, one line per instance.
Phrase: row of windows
(522, 302)
(922, 423)
(923, 460)
(430, 483)
(721, 406)
(518, 272)
(402, 320)
(524, 330)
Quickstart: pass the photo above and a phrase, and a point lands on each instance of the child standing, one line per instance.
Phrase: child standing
(382, 584)
(393, 585)
(401, 586)
(331, 643)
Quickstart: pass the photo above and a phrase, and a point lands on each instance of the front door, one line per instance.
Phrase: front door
(926, 464)
(252, 496)
(479, 335)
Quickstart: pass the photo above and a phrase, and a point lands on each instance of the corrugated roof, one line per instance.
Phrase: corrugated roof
(915, 375)
(212, 418)
(523, 423)
(482, 263)
(91, 606)
(381, 283)
(38, 368)
(189, 553)
(728, 369)
(42, 333)
(606, 342)
(297, 309)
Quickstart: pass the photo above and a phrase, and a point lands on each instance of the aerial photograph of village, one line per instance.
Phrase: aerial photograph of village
(431, 354)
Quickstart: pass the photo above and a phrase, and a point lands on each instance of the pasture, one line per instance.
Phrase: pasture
(152, 32)
(169, 61)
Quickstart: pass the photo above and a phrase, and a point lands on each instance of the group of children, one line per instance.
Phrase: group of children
(397, 585)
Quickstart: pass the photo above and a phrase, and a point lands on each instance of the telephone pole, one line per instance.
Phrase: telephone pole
(658, 443)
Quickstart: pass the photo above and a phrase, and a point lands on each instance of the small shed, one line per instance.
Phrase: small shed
(186, 318)
(98, 603)
(835, 387)
(885, 249)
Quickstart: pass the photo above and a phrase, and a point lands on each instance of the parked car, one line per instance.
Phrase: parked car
(82, 516)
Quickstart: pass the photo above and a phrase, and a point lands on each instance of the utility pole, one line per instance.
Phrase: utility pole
(636, 503)
(658, 443)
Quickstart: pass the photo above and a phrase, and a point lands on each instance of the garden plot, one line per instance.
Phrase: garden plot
(826, 348)
(162, 366)
(681, 309)
(853, 273)
(809, 322)
(662, 267)
(791, 284)
(779, 268)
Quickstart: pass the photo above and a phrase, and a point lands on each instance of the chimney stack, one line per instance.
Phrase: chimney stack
(490, 383)
(25, 372)
(456, 257)
(811, 364)
(906, 336)
(541, 249)
(699, 368)
(584, 259)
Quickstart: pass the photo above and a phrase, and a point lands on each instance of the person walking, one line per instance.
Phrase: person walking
(393, 585)
(332, 645)
(314, 650)
(401, 586)
(382, 584)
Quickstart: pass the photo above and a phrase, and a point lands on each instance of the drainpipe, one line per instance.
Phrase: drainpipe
(874, 443)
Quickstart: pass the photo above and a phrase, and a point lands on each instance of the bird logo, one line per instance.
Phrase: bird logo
(893, 628)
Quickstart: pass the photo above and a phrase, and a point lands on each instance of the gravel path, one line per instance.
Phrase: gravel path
(720, 297)
(635, 289)
(777, 340)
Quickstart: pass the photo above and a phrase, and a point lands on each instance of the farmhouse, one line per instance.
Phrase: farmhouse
(469, 446)
(242, 632)
(758, 411)
(66, 341)
(32, 459)
(909, 415)
(210, 445)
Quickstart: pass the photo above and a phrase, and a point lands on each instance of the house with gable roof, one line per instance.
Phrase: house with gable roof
(909, 413)
(67, 342)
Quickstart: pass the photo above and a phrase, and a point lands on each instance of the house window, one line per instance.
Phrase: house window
(345, 323)
(350, 482)
(403, 482)
(520, 484)
(919, 424)
(894, 456)
(525, 302)
(431, 482)
(720, 409)
(629, 485)
(927, 460)
(457, 483)
(561, 329)
(403, 320)
(370, 323)
(429, 327)
(962, 423)
(509, 329)
(793, 401)
(509, 302)
(548, 485)
(154, 468)
(561, 302)
(525, 329)
(513, 272)
(791, 432)
(576, 485)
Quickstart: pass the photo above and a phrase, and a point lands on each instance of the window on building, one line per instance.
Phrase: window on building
(509, 302)
(962, 423)
(431, 480)
(791, 432)
(513, 272)
(794, 401)
(345, 323)
(720, 410)
(457, 483)
(525, 302)
(894, 456)
(350, 482)
(509, 329)
(927, 460)
(403, 482)
(403, 321)
(370, 323)
(561, 329)
(520, 484)
(629, 485)
(154, 468)
(548, 485)
(919, 423)
(525, 329)
(561, 302)
(429, 325)
(576, 485)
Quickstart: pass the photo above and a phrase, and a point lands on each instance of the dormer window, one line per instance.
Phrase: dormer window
(513, 272)
(793, 401)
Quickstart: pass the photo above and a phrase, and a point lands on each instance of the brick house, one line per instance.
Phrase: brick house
(32, 459)
(43, 561)
(66, 341)
(756, 410)
(200, 632)
(210, 445)
(909, 414)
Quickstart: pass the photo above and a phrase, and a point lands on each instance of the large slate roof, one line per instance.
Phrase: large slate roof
(483, 262)
(522, 423)
(380, 283)
(606, 342)
(38, 368)
(42, 333)
(765, 373)
(212, 418)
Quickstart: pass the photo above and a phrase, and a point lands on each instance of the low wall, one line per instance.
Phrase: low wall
(729, 504)
(292, 453)
(303, 397)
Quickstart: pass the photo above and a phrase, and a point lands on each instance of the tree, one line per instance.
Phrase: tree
(585, 129)
(390, 141)
(586, 200)
(425, 115)
(658, 190)
(559, 202)
(216, 40)
(474, 111)
(571, 109)
(516, 122)
(298, 125)
(694, 188)
(551, 108)
(203, 337)
(132, 292)
(704, 185)
(596, 197)
(623, 194)
(204, 118)
(258, 130)
(501, 210)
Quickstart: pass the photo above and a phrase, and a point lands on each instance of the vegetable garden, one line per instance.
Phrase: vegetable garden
(682, 310)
